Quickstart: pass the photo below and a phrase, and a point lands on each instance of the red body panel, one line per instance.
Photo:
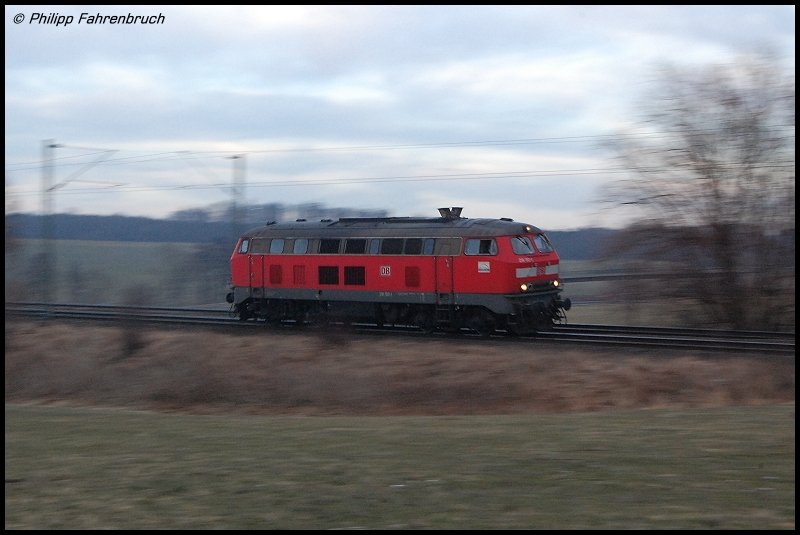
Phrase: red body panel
(501, 273)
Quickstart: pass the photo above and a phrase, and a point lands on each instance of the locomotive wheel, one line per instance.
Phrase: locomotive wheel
(425, 321)
(544, 324)
(380, 319)
(483, 323)
(272, 320)
(515, 329)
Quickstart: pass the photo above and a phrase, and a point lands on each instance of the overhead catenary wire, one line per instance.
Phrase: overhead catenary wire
(185, 154)
(186, 157)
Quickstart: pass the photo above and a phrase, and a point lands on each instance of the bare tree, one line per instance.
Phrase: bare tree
(712, 175)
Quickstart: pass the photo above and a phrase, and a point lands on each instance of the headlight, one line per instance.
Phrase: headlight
(556, 283)
(523, 287)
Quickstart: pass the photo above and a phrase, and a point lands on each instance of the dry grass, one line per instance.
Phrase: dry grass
(332, 373)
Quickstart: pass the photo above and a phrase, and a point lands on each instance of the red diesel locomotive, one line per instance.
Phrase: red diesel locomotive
(446, 273)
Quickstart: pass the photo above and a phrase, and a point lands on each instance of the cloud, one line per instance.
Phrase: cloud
(413, 91)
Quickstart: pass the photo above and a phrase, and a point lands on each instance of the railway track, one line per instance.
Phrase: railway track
(676, 338)
(750, 342)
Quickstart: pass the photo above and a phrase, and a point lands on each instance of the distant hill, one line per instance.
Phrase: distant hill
(582, 244)
(119, 228)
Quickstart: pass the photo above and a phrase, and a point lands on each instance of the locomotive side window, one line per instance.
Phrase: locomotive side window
(259, 246)
(413, 246)
(244, 245)
(328, 246)
(392, 246)
(480, 247)
(276, 246)
(374, 246)
(355, 246)
(300, 246)
(522, 245)
(543, 244)
(447, 247)
(427, 248)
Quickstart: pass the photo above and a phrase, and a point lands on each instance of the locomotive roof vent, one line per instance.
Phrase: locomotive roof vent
(451, 213)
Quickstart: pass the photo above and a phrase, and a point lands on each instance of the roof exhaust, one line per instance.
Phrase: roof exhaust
(451, 213)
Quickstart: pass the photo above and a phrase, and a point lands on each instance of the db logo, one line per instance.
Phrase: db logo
(386, 271)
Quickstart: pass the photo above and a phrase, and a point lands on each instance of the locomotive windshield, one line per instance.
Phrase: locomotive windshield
(522, 245)
(543, 244)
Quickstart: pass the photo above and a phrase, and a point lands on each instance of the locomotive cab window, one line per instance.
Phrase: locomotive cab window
(543, 244)
(447, 246)
(480, 247)
(522, 245)
(243, 246)
(259, 246)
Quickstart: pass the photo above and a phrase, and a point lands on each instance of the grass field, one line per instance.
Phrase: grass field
(84, 468)
(274, 430)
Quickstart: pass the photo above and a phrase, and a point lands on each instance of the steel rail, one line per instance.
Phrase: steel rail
(750, 342)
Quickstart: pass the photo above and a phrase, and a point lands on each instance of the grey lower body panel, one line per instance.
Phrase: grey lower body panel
(497, 303)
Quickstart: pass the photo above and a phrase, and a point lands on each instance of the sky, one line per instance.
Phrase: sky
(502, 110)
